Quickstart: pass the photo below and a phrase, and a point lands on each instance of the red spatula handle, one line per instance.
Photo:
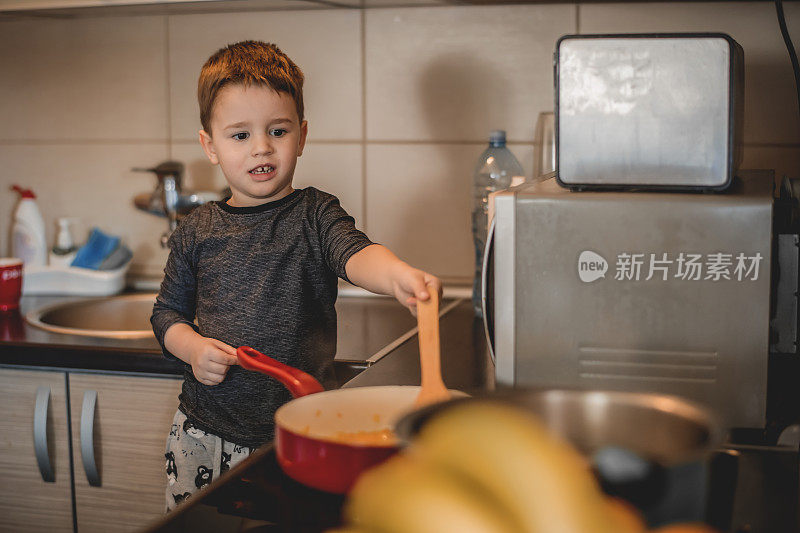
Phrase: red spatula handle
(298, 382)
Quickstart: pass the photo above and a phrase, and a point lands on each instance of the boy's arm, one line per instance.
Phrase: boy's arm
(209, 358)
(378, 270)
(174, 311)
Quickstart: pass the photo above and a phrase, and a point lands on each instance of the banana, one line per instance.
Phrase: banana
(626, 517)
(409, 495)
(543, 483)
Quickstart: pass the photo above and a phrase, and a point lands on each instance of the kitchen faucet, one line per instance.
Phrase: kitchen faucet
(168, 199)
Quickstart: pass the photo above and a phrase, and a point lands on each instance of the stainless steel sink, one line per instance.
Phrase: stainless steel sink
(118, 317)
(368, 327)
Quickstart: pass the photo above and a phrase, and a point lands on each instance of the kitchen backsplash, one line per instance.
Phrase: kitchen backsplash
(399, 103)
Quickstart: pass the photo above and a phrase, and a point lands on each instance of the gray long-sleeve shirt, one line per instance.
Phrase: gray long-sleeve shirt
(264, 277)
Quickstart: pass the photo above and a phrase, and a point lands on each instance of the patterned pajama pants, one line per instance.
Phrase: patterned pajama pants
(195, 458)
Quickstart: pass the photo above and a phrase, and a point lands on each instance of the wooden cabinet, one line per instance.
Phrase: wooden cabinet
(132, 417)
(27, 501)
(122, 434)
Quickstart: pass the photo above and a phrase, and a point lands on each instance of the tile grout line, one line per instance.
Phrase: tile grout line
(363, 31)
(71, 142)
(167, 52)
(363, 141)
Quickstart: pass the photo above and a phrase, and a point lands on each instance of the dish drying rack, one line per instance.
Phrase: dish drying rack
(68, 280)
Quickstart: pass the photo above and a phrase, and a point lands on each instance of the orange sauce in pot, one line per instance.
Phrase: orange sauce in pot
(379, 437)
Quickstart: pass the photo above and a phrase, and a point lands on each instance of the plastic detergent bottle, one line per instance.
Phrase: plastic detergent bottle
(496, 169)
(27, 233)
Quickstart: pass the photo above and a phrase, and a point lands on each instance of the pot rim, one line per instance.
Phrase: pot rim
(310, 401)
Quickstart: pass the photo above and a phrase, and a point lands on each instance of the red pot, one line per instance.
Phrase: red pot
(326, 439)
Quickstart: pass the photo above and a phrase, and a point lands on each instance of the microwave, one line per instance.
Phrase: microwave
(674, 293)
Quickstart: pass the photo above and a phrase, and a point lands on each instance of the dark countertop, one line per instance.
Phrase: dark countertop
(366, 326)
(24, 344)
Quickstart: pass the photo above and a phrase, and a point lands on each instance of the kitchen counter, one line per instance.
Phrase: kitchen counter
(368, 329)
(26, 345)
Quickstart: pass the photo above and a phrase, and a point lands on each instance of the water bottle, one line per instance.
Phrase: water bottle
(495, 170)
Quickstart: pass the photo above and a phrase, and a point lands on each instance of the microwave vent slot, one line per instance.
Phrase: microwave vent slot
(668, 366)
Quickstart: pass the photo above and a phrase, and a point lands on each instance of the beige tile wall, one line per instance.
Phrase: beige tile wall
(399, 101)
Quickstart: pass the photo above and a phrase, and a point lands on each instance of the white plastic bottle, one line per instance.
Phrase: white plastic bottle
(64, 250)
(27, 234)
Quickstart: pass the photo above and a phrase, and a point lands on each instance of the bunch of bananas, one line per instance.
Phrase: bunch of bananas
(484, 467)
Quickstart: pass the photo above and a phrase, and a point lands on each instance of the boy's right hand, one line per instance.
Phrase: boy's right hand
(210, 360)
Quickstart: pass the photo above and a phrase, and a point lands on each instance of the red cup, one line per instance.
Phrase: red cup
(12, 326)
(10, 283)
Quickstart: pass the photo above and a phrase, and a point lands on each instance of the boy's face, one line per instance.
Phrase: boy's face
(256, 138)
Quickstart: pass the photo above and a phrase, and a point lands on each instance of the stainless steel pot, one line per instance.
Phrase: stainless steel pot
(650, 449)
(663, 428)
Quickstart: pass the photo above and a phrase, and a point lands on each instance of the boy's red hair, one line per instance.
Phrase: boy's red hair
(248, 63)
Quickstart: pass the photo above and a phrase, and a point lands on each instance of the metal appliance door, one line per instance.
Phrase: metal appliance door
(487, 291)
(648, 111)
(646, 292)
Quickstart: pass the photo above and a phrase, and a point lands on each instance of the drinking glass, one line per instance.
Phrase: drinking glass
(544, 150)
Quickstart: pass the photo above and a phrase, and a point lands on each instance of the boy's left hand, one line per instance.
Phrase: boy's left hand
(411, 284)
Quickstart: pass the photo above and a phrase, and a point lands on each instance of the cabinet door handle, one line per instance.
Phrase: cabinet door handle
(87, 437)
(40, 446)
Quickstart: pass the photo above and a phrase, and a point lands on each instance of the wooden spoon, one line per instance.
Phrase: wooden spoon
(433, 389)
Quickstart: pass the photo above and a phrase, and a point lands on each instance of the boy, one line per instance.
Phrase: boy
(259, 269)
